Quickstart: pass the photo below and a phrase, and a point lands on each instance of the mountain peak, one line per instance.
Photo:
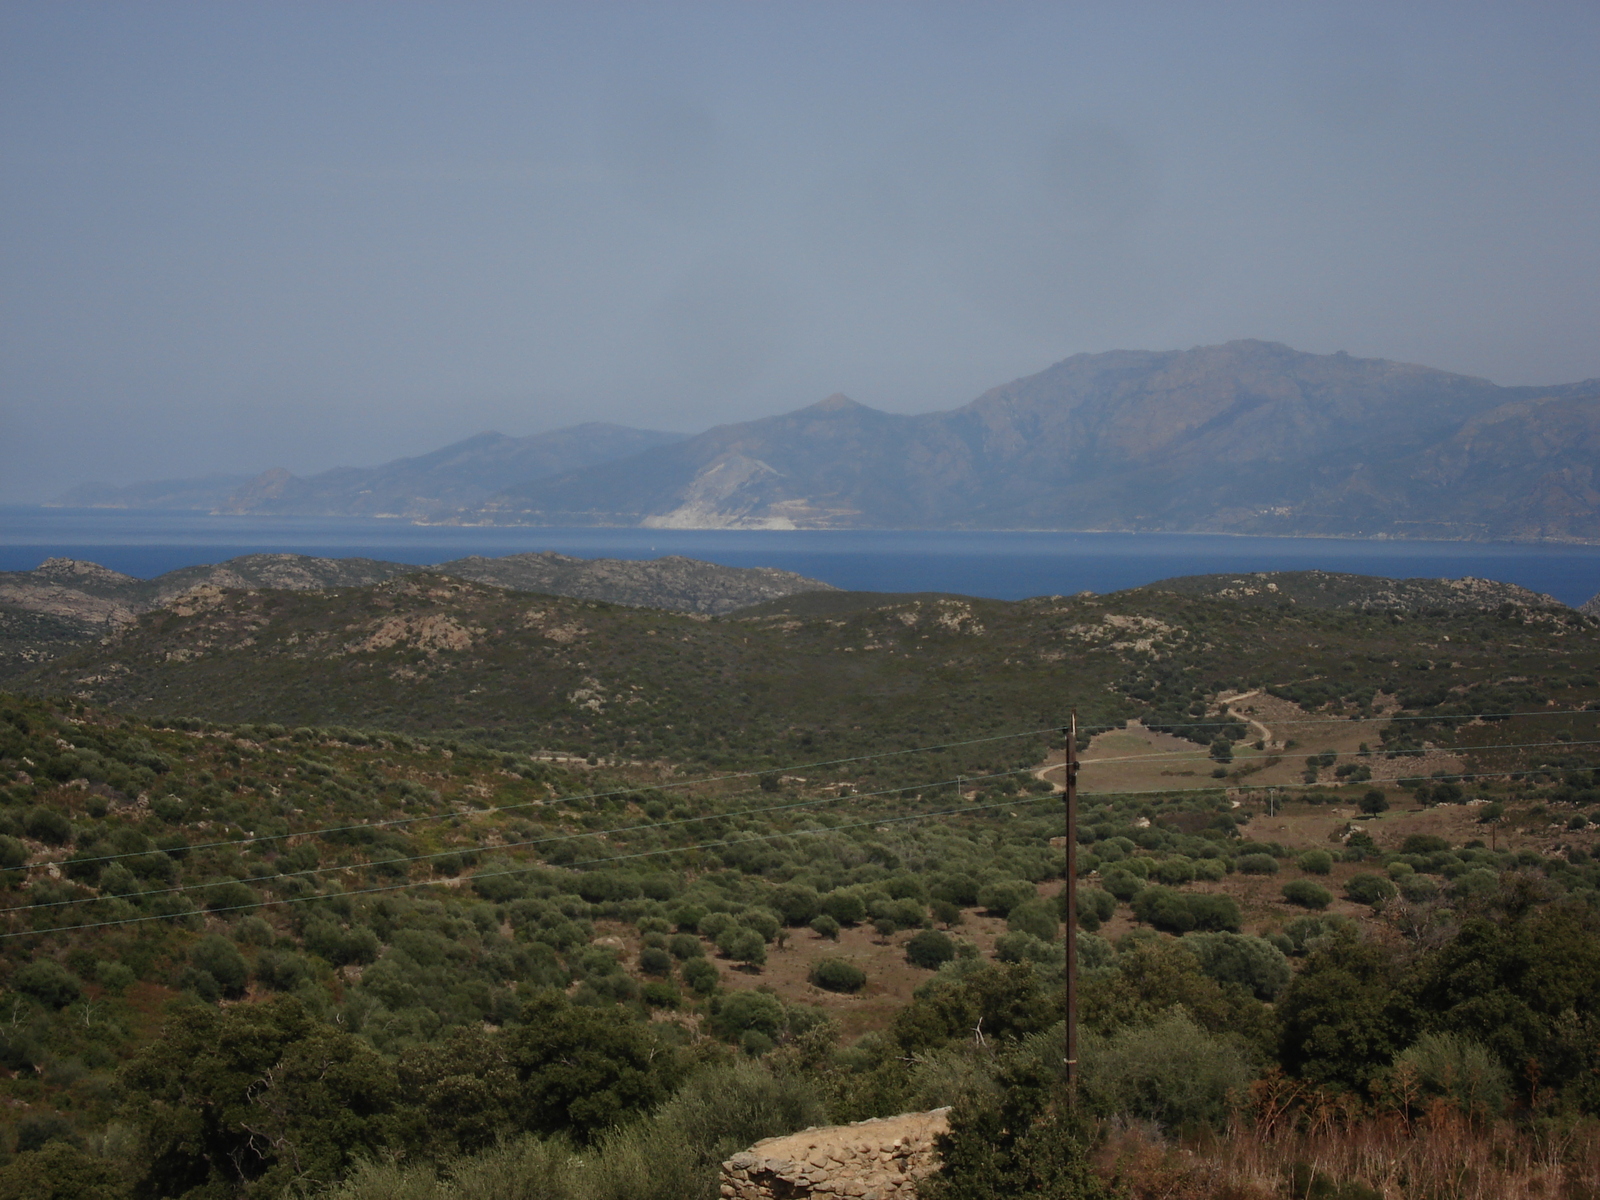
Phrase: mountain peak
(838, 402)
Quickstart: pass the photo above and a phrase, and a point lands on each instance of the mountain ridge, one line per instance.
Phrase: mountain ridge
(453, 476)
(1247, 437)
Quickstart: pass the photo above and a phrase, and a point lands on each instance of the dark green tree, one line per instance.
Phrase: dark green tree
(1021, 1140)
(1524, 987)
(582, 1070)
(1344, 1017)
(254, 1099)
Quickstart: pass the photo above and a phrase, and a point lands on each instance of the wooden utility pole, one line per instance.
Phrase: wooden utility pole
(1069, 1065)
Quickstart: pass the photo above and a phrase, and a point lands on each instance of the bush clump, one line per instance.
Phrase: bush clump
(1315, 862)
(930, 949)
(1366, 888)
(1179, 912)
(1037, 917)
(1252, 962)
(1095, 907)
(1305, 894)
(47, 981)
(1172, 1072)
(836, 975)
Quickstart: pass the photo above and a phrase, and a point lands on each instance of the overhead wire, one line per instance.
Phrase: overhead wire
(274, 902)
(550, 802)
(788, 806)
(539, 841)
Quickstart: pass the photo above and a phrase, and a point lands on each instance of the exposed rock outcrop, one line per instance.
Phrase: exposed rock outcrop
(869, 1160)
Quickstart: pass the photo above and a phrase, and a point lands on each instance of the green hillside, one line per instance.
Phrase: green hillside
(811, 677)
(428, 886)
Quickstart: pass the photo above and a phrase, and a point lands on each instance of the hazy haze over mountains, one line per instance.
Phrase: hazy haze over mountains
(457, 475)
(252, 235)
(1247, 437)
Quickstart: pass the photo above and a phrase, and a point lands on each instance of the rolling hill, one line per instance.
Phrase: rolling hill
(65, 602)
(828, 672)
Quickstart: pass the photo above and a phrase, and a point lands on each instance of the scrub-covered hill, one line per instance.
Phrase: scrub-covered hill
(832, 672)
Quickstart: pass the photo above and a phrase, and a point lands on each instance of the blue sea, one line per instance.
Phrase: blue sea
(1005, 566)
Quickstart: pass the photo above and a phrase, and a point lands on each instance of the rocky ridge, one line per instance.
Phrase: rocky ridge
(1365, 593)
(66, 603)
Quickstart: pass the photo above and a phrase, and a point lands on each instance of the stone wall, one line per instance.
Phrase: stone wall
(870, 1160)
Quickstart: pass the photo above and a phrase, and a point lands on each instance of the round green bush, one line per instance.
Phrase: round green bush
(230, 896)
(1001, 896)
(1121, 884)
(685, 946)
(281, 970)
(743, 944)
(13, 853)
(763, 920)
(701, 975)
(687, 917)
(1307, 894)
(1315, 862)
(847, 908)
(1095, 905)
(1165, 909)
(220, 959)
(1175, 870)
(714, 925)
(47, 981)
(1024, 947)
(1215, 913)
(1419, 888)
(930, 949)
(1252, 962)
(658, 993)
(796, 903)
(1037, 917)
(836, 975)
(1256, 864)
(655, 961)
(1368, 889)
(825, 926)
(47, 825)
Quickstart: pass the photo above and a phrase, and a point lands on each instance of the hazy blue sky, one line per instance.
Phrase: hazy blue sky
(251, 234)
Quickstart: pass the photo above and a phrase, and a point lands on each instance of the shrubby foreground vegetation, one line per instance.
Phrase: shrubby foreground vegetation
(254, 960)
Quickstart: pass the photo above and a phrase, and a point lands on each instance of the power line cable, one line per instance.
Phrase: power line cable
(551, 802)
(1012, 802)
(540, 841)
(734, 815)
(287, 900)
(1199, 756)
(569, 799)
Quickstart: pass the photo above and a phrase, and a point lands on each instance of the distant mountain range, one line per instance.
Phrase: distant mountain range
(1248, 437)
(460, 475)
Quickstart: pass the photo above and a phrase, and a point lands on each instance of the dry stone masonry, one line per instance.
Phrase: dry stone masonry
(870, 1160)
